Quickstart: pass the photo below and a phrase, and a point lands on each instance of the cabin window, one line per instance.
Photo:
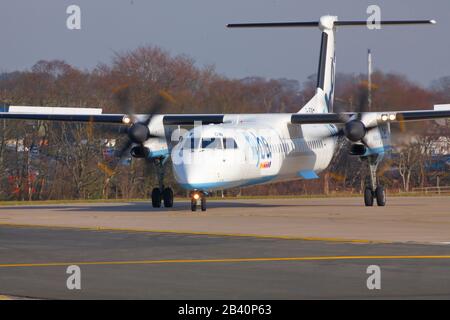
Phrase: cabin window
(229, 143)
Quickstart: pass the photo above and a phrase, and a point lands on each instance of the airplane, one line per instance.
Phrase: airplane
(219, 151)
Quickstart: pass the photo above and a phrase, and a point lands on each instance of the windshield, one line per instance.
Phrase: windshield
(211, 143)
(191, 143)
(216, 143)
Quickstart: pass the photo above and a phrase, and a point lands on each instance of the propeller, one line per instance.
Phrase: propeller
(354, 129)
(138, 130)
(136, 127)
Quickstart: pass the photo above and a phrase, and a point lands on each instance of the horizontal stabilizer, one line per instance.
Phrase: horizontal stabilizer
(336, 23)
(320, 118)
(192, 119)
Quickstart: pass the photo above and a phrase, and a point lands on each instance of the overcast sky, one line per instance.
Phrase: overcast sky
(34, 30)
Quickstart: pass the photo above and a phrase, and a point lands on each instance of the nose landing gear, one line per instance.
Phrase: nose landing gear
(197, 196)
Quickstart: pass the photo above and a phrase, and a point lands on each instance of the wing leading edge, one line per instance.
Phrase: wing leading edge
(190, 119)
(391, 116)
(170, 119)
(100, 118)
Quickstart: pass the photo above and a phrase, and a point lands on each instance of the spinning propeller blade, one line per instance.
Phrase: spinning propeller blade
(137, 130)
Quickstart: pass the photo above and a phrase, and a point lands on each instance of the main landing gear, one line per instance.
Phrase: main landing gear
(198, 196)
(373, 190)
(161, 194)
(165, 196)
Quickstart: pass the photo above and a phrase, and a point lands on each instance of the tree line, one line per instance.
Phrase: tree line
(42, 160)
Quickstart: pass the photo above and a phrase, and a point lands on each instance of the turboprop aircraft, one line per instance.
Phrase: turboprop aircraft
(225, 151)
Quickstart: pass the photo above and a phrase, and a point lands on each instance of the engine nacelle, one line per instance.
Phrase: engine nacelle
(139, 152)
(357, 149)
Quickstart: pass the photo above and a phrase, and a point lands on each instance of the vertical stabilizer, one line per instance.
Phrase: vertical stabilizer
(327, 61)
(322, 102)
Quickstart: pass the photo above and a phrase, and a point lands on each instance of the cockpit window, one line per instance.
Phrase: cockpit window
(229, 143)
(191, 143)
(211, 143)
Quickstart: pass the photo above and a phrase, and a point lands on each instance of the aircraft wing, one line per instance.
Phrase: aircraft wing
(439, 112)
(101, 118)
(94, 115)
(112, 118)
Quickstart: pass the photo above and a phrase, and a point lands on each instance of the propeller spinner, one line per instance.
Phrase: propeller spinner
(138, 130)
(136, 127)
(355, 129)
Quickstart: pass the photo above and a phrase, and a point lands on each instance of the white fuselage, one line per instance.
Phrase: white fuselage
(251, 149)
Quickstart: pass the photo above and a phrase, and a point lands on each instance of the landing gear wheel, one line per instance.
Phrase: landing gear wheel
(380, 194)
(203, 203)
(168, 198)
(193, 205)
(156, 198)
(368, 197)
(198, 196)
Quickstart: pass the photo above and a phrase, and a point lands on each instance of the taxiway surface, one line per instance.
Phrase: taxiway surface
(248, 249)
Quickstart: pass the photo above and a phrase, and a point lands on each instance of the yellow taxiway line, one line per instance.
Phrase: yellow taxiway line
(225, 260)
(201, 233)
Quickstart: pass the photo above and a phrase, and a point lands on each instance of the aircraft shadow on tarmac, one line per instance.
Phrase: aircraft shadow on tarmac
(180, 206)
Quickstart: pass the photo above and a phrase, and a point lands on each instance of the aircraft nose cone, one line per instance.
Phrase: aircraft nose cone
(186, 176)
(192, 174)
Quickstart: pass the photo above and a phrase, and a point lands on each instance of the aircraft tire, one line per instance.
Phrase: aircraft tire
(193, 205)
(380, 194)
(368, 197)
(156, 198)
(168, 198)
(203, 203)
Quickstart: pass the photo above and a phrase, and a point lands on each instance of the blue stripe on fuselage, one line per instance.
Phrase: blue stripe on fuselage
(378, 150)
(225, 184)
(158, 153)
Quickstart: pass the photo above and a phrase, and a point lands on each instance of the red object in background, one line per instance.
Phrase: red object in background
(108, 153)
(15, 185)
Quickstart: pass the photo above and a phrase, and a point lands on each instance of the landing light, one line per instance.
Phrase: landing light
(392, 117)
(126, 120)
(384, 117)
(196, 196)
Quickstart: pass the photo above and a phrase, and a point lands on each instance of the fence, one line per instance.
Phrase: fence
(433, 190)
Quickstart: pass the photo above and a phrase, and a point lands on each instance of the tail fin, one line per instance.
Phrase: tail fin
(327, 63)
(322, 102)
